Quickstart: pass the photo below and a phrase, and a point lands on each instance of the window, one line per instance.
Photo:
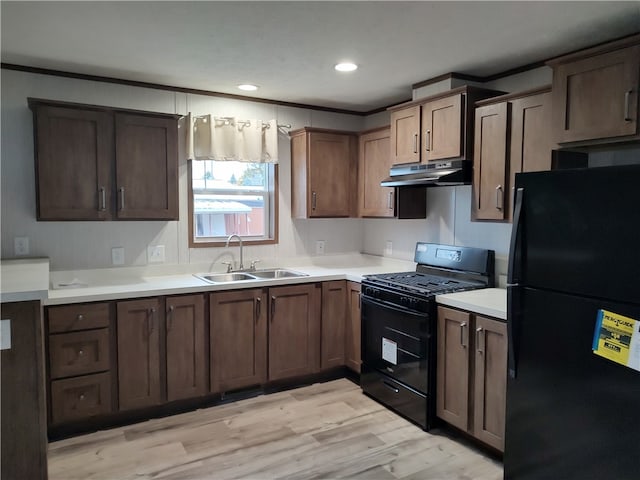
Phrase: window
(232, 198)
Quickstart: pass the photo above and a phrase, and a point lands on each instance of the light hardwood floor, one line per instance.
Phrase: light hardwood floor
(323, 431)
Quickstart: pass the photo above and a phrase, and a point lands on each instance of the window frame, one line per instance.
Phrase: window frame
(272, 216)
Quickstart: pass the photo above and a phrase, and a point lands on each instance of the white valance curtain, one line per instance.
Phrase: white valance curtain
(229, 138)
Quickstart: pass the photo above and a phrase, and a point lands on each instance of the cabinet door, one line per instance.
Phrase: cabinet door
(334, 309)
(490, 161)
(405, 135)
(294, 331)
(74, 151)
(530, 137)
(353, 357)
(238, 339)
(146, 167)
(442, 132)
(23, 450)
(139, 353)
(187, 365)
(452, 391)
(373, 167)
(597, 97)
(490, 386)
(330, 175)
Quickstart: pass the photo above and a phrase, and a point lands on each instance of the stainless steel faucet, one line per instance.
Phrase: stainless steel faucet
(240, 241)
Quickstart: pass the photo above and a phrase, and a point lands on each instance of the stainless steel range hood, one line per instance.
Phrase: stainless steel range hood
(433, 174)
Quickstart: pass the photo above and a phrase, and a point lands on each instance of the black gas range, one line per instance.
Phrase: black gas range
(399, 325)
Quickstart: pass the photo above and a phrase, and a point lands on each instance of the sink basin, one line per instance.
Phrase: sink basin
(277, 273)
(226, 277)
(244, 276)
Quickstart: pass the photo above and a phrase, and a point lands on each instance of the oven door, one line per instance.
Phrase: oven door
(396, 341)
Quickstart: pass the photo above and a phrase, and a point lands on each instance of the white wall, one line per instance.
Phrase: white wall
(81, 245)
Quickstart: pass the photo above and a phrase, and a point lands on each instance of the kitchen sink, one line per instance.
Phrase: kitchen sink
(277, 273)
(226, 277)
(254, 275)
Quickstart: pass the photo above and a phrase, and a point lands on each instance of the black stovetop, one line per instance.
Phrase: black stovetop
(421, 283)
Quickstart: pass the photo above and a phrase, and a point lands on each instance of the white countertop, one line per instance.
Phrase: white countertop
(24, 279)
(491, 302)
(122, 283)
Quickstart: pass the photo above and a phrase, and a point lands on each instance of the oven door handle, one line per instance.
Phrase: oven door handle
(392, 306)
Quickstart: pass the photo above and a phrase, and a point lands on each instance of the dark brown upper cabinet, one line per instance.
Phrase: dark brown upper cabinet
(595, 94)
(98, 163)
(436, 128)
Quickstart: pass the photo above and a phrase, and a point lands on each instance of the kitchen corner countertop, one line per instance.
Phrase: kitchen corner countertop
(24, 279)
(488, 301)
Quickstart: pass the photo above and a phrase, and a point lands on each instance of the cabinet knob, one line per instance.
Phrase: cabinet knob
(80, 317)
(81, 397)
(80, 353)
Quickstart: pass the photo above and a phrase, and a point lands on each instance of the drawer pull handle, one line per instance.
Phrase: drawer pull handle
(390, 387)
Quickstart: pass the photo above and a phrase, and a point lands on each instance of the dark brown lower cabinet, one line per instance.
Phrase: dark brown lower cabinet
(294, 331)
(472, 374)
(187, 342)
(352, 349)
(238, 321)
(334, 309)
(24, 429)
(139, 373)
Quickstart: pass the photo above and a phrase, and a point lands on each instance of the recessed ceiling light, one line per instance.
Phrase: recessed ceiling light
(248, 87)
(346, 67)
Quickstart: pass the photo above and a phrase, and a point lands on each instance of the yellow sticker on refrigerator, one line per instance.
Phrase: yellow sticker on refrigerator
(617, 338)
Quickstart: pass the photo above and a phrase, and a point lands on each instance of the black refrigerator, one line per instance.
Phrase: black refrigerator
(574, 260)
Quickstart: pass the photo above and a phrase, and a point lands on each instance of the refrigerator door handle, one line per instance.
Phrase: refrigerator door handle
(513, 318)
(513, 275)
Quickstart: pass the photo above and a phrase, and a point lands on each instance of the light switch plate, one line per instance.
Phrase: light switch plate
(319, 247)
(388, 248)
(155, 254)
(117, 256)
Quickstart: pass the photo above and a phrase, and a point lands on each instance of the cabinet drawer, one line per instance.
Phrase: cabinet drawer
(402, 399)
(81, 397)
(78, 317)
(78, 353)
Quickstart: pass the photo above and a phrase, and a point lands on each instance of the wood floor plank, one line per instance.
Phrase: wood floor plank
(322, 431)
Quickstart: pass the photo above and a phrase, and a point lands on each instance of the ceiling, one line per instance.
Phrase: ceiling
(289, 48)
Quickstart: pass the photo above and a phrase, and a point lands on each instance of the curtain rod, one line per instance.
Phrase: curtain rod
(246, 123)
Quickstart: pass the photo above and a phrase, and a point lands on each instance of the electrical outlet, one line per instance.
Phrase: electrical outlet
(388, 249)
(319, 247)
(155, 254)
(21, 246)
(117, 256)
